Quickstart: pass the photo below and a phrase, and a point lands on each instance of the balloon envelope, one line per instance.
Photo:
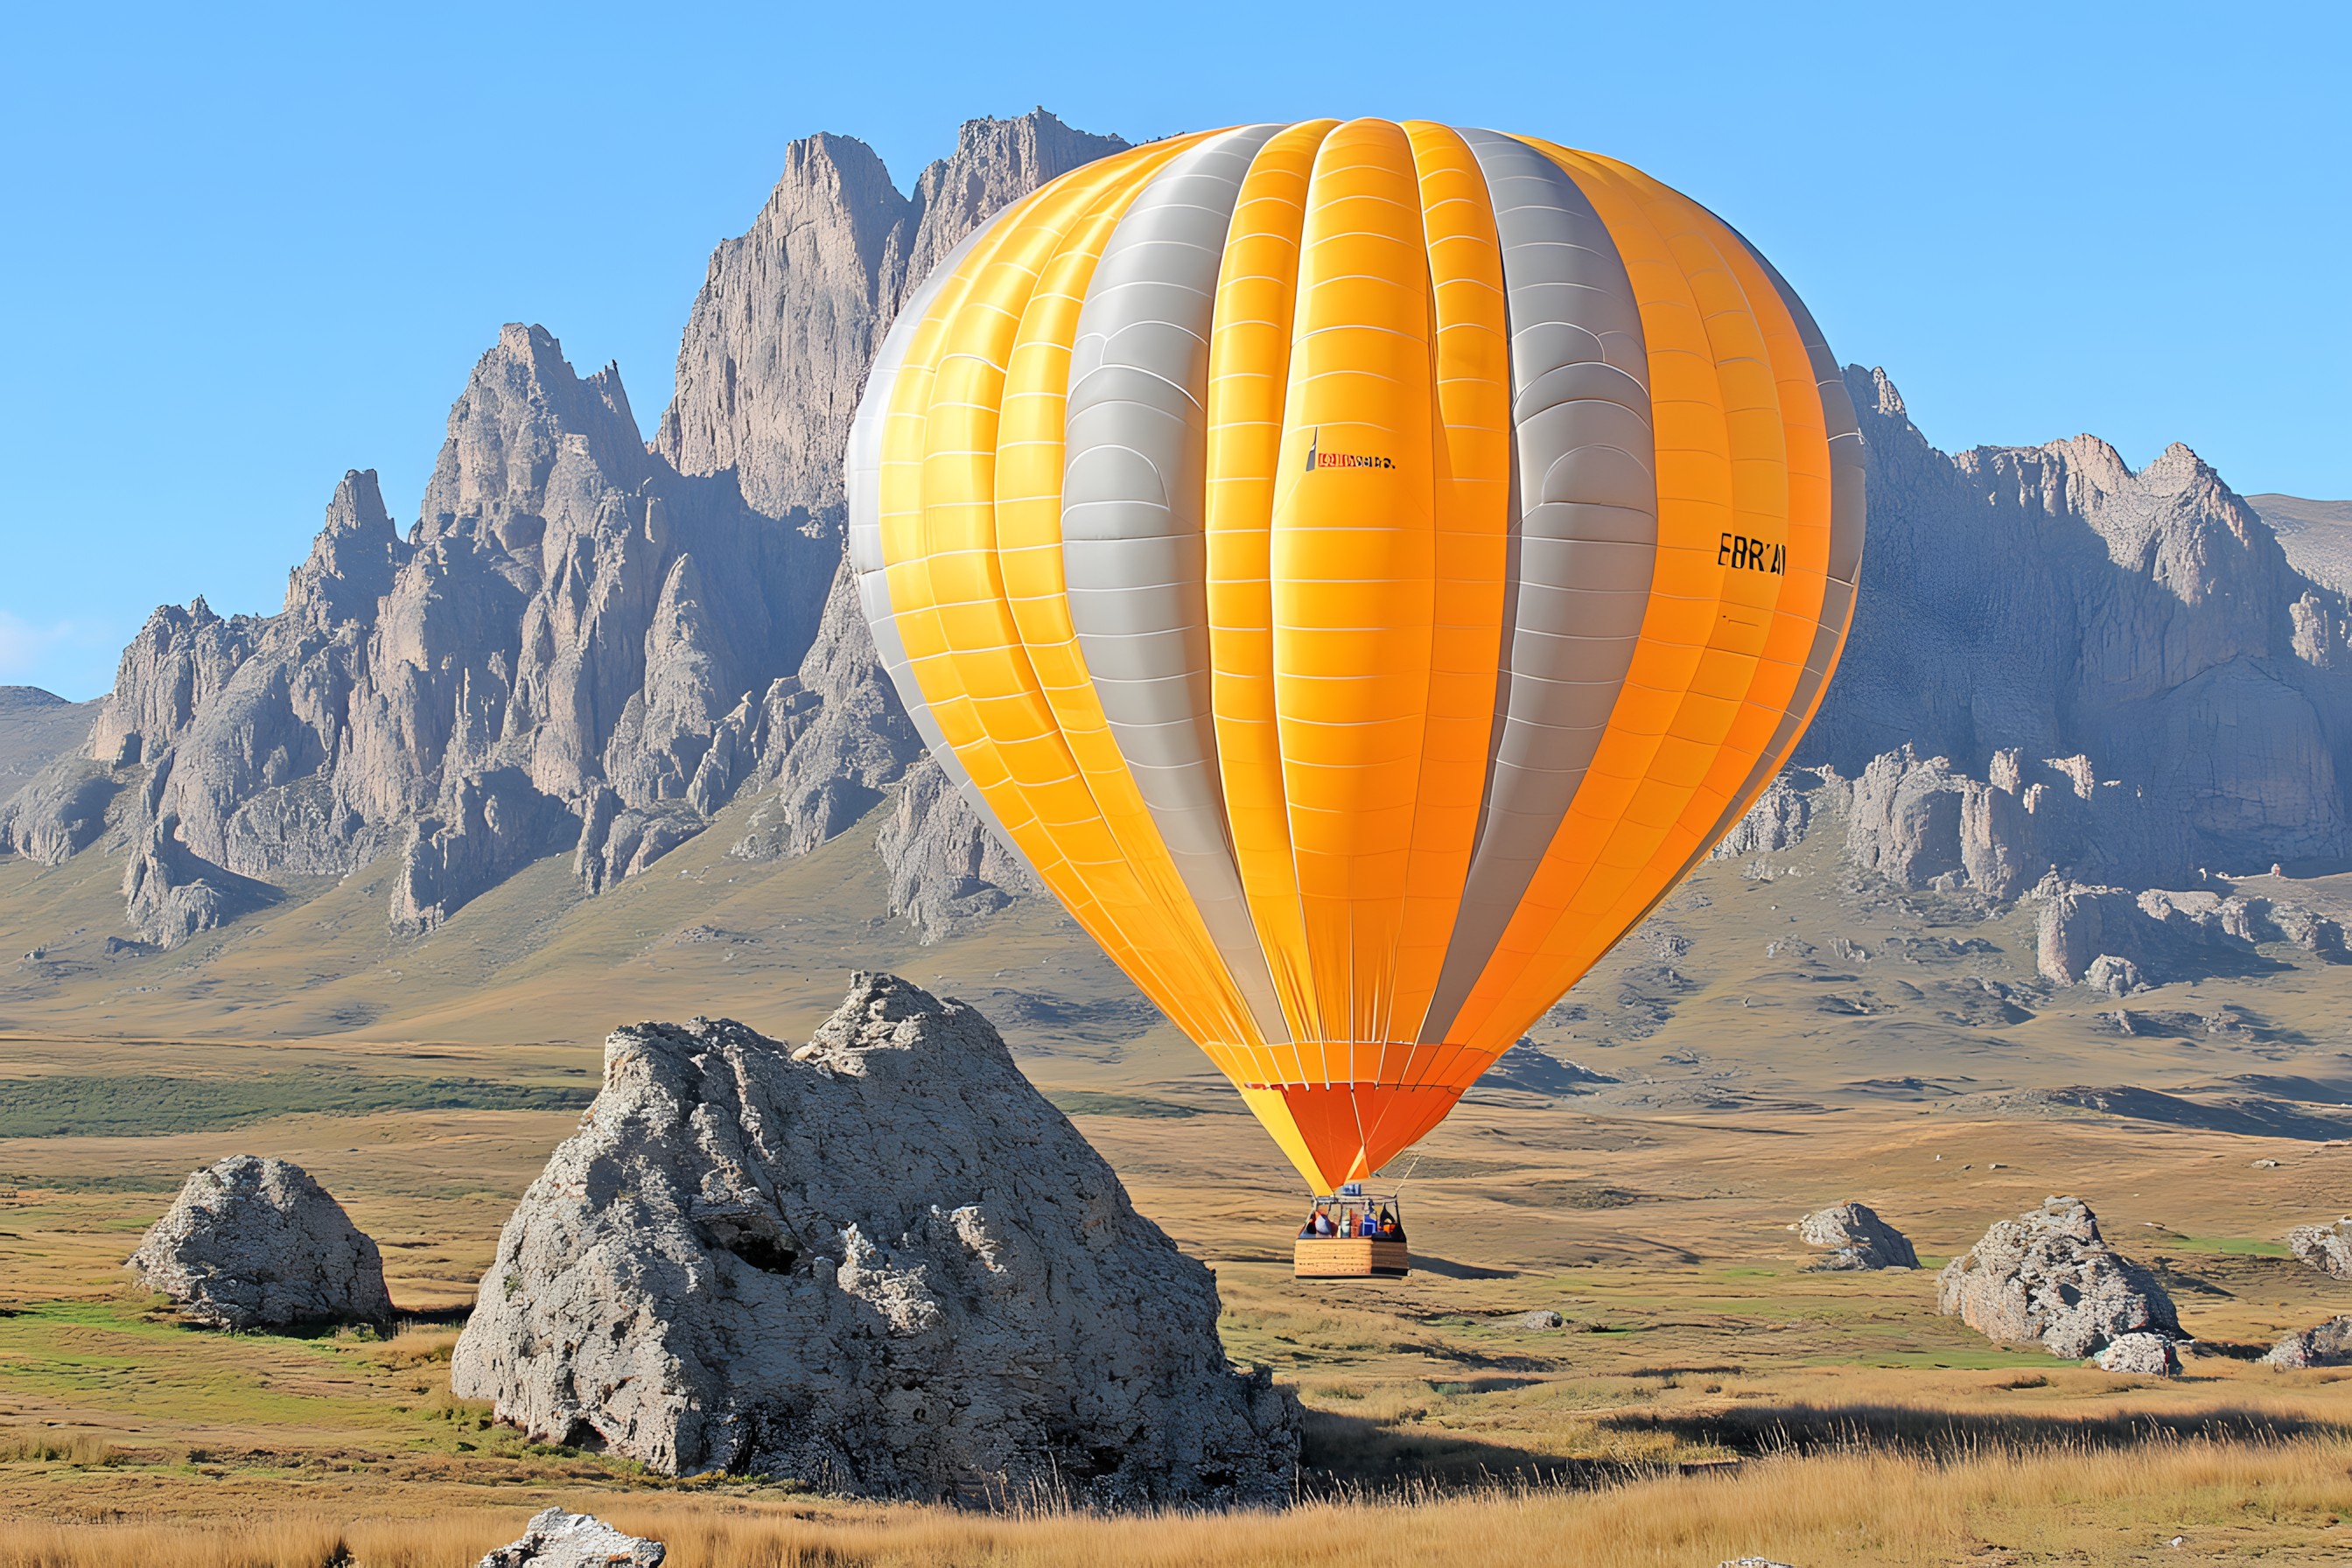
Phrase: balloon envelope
(1360, 567)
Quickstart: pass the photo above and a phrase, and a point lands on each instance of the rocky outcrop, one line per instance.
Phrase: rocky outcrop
(2326, 1247)
(948, 868)
(60, 811)
(169, 894)
(490, 827)
(555, 1538)
(252, 1242)
(1857, 1239)
(2329, 1345)
(2049, 1277)
(790, 314)
(2118, 941)
(880, 1263)
(2051, 603)
(2140, 1356)
(1779, 820)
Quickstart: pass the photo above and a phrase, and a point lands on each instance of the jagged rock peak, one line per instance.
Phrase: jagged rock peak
(997, 163)
(522, 407)
(792, 312)
(354, 560)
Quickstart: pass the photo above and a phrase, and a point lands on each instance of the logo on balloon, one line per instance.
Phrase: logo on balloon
(1752, 554)
(1318, 458)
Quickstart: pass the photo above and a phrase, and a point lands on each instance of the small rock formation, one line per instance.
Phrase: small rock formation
(253, 1243)
(2047, 1277)
(2330, 1345)
(2326, 1247)
(2117, 942)
(169, 895)
(881, 1264)
(554, 1539)
(2140, 1356)
(1858, 1237)
(1542, 1318)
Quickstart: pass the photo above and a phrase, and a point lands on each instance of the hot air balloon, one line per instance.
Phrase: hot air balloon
(1360, 567)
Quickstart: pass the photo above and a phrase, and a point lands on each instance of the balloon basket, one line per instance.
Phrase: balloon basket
(1349, 1258)
(1350, 1254)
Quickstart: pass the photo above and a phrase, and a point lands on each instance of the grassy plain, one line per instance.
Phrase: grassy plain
(1778, 1038)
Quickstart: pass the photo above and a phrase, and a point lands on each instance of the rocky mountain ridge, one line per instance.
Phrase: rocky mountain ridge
(2066, 679)
(585, 642)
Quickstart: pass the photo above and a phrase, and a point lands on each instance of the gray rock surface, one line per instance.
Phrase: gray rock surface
(254, 1243)
(60, 811)
(2140, 1356)
(840, 738)
(792, 312)
(2118, 941)
(881, 1263)
(568, 615)
(948, 868)
(169, 894)
(2326, 1247)
(2329, 1345)
(1780, 819)
(2049, 602)
(1857, 1239)
(555, 1538)
(2316, 535)
(2049, 1277)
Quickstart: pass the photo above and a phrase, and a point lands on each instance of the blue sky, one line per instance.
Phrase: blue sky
(246, 249)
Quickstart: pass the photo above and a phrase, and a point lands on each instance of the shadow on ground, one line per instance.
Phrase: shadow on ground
(1812, 1428)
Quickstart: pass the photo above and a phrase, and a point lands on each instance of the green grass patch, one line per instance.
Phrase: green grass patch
(1094, 1102)
(52, 1183)
(138, 1105)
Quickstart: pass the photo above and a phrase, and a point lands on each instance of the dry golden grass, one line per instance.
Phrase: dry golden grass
(2281, 1503)
(1709, 1398)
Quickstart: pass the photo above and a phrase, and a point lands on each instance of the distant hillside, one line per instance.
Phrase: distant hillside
(2316, 535)
(35, 727)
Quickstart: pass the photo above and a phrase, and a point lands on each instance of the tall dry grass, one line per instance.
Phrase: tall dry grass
(2282, 1500)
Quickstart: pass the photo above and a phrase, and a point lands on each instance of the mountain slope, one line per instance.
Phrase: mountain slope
(35, 727)
(2316, 535)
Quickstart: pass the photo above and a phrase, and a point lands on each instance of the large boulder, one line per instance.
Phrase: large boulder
(2326, 1247)
(882, 1264)
(554, 1539)
(2049, 1277)
(1857, 1239)
(252, 1243)
(2330, 1345)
